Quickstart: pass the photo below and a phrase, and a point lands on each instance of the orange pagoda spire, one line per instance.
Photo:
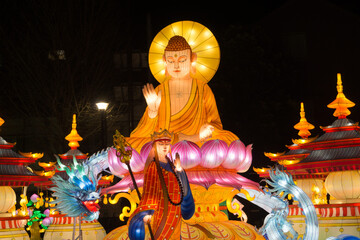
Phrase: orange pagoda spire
(74, 137)
(341, 103)
(1, 121)
(303, 126)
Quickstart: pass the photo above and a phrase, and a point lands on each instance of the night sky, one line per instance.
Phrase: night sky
(274, 55)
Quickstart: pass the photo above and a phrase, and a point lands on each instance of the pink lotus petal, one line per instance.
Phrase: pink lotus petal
(202, 178)
(247, 183)
(230, 179)
(190, 154)
(137, 164)
(145, 150)
(235, 155)
(246, 163)
(125, 184)
(227, 179)
(213, 153)
(116, 167)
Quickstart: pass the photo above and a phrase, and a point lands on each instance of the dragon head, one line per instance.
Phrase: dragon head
(77, 195)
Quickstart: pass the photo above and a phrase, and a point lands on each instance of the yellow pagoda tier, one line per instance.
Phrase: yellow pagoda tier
(74, 138)
(341, 103)
(303, 126)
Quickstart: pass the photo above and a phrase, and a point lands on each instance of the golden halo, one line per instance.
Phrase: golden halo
(201, 40)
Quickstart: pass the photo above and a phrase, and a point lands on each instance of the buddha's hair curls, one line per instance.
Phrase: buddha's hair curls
(177, 43)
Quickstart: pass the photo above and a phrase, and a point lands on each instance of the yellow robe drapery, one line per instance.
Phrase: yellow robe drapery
(200, 109)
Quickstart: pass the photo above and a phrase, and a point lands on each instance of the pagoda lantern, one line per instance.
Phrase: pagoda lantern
(14, 172)
(303, 126)
(62, 226)
(341, 103)
(74, 138)
(328, 164)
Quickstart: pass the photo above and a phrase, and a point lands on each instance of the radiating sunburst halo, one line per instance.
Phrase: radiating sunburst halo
(202, 42)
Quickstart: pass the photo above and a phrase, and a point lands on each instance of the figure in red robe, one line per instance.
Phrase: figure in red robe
(166, 197)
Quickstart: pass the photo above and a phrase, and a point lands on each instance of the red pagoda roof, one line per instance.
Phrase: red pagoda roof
(337, 149)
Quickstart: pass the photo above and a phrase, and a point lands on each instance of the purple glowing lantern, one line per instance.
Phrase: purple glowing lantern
(190, 154)
(47, 221)
(213, 153)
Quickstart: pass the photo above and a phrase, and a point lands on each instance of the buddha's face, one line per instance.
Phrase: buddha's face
(178, 63)
(163, 147)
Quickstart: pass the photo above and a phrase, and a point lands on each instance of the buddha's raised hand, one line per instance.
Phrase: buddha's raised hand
(152, 99)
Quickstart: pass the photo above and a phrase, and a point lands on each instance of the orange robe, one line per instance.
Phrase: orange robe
(200, 109)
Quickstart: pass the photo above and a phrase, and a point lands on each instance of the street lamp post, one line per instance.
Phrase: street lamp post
(102, 106)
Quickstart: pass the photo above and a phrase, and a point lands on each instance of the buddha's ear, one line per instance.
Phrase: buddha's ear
(193, 57)
(163, 58)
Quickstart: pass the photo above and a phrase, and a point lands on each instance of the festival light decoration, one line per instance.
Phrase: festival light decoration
(212, 166)
(38, 213)
(307, 185)
(344, 186)
(202, 42)
(189, 153)
(341, 103)
(77, 196)
(276, 224)
(213, 153)
(73, 136)
(303, 126)
(8, 198)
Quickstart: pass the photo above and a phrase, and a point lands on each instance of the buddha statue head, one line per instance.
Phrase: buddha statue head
(178, 58)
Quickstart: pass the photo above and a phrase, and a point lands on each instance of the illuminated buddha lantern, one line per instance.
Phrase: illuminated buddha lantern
(182, 103)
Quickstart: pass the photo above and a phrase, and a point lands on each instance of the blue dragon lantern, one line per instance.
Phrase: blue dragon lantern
(77, 196)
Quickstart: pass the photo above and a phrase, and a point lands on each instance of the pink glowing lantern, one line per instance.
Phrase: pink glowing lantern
(190, 154)
(213, 153)
(47, 212)
(238, 157)
(34, 198)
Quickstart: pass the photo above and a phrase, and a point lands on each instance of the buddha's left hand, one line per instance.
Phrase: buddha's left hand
(206, 131)
(177, 163)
